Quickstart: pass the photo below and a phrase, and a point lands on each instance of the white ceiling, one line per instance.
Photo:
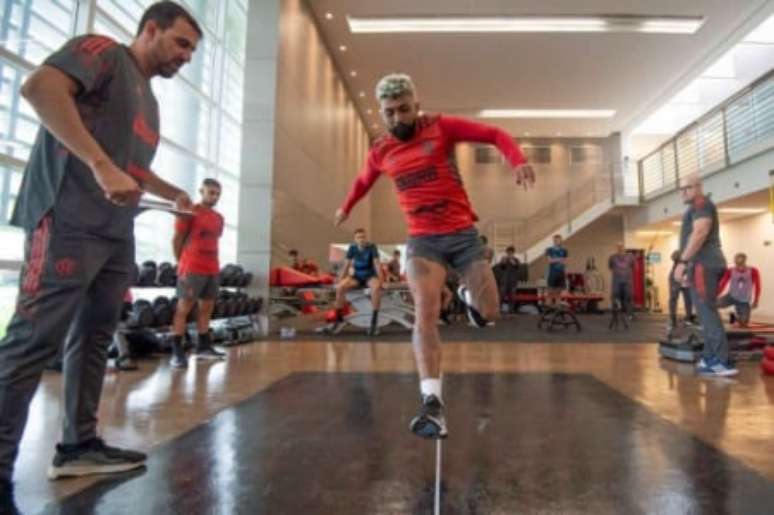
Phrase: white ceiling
(463, 73)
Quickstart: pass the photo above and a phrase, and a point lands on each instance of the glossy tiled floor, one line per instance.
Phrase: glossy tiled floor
(669, 420)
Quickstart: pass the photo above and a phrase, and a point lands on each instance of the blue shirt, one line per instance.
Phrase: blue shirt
(556, 251)
(363, 259)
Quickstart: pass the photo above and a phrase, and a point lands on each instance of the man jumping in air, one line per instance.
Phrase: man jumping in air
(418, 154)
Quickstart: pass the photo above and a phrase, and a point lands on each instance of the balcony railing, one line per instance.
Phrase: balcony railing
(738, 129)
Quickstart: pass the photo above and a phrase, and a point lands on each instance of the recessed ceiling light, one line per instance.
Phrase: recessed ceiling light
(375, 125)
(546, 113)
(526, 134)
(328, 16)
(370, 111)
(353, 73)
(342, 48)
(362, 94)
(558, 133)
(649, 24)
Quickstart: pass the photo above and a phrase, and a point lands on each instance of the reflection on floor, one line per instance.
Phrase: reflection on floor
(536, 429)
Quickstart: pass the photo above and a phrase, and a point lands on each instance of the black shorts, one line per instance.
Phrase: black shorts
(456, 250)
(362, 280)
(197, 286)
(556, 281)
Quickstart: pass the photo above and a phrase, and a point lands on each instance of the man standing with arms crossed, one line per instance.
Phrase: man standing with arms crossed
(86, 172)
(556, 278)
(417, 155)
(195, 245)
(702, 261)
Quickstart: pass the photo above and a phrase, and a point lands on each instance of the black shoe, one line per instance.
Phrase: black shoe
(93, 457)
(55, 366)
(125, 364)
(179, 359)
(473, 315)
(333, 328)
(7, 505)
(444, 317)
(209, 352)
(431, 422)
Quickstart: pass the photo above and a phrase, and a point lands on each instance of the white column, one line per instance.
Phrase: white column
(255, 195)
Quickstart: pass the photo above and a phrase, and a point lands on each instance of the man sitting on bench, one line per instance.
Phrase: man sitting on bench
(361, 269)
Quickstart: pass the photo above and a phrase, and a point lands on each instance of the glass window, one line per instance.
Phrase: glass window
(200, 111)
(711, 143)
(34, 28)
(652, 174)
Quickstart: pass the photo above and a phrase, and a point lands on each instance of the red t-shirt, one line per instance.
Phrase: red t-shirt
(200, 249)
(429, 186)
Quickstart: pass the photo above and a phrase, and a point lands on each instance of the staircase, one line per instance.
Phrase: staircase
(567, 215)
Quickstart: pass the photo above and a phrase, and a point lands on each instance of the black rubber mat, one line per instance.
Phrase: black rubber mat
(339, 444)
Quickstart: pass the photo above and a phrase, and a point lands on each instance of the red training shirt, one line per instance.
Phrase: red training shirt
(429, 186)
(200, 249)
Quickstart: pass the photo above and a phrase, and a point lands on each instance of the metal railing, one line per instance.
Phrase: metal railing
(554, 217)
(738, 129)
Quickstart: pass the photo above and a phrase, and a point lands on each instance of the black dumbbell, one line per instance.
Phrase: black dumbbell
(167, 274)
(126, 311)
(239, 273)
(217, 309)
(148, 273)
(162, 311)
(258, 305)
(228, 275)
(142, 314)
(246, 279)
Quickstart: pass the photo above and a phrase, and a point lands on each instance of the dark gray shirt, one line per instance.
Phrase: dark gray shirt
(118, 107)
(622, 267)
(710, 253)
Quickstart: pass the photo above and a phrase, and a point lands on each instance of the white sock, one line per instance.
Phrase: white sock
(430, 387)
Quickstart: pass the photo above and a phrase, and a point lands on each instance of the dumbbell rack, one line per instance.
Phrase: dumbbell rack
(228, 330)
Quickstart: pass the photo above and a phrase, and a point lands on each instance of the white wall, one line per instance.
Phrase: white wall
(752, 235)
(320, 143)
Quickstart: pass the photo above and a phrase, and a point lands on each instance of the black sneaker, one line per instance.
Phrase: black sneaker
(474, 316)
(7, 504)
(93, 457)
(431, 422)
(209, 352)
(333, 327)
(125, 364)
(179, 359)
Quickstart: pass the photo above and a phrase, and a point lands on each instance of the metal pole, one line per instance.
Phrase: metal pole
(437, 506)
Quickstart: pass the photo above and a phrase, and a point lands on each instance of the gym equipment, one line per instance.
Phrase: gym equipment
(147, 275)
(126, 311)
(393, 309)
(247, 278)
(141, 315)
(217, 310)
(231, 275)
(767, 367)
(560, 316)
(167, 274)
(162, 311)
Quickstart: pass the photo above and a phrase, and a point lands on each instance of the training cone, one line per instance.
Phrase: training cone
(768, 353)
(767, 366)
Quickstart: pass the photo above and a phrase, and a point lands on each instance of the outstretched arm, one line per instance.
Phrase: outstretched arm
(365, 180)
(460, 129)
